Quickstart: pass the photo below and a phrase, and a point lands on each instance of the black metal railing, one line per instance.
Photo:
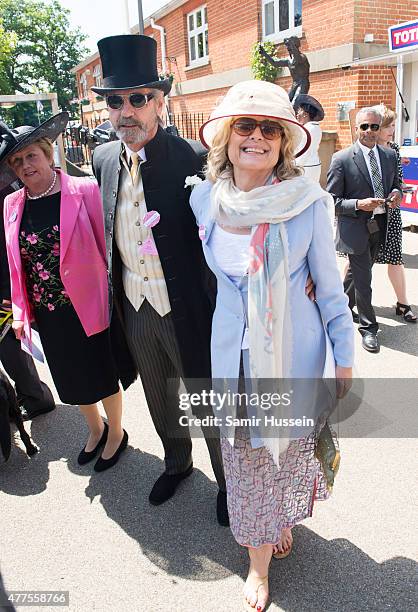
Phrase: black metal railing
(79, 140)
(188, 124)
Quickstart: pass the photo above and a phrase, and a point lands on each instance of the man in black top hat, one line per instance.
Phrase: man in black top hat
(158, 275)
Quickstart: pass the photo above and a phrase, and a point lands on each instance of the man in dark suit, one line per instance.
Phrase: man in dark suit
(34, 396)
(363, 180)
(158, 274)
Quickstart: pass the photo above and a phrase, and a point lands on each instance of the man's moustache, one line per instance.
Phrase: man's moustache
(135, 124)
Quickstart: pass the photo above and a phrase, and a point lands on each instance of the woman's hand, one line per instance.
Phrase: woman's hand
(344, 377)
(310, 288)
(17, 327)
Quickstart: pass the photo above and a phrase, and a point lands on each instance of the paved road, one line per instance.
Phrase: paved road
(63, 527)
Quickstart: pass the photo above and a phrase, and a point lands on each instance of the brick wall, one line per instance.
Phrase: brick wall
(233, 29)
(376, 16)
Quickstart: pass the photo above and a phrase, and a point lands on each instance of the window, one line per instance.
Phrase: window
(197, 30)
(83, 86)
(97, 75)
(281, 18)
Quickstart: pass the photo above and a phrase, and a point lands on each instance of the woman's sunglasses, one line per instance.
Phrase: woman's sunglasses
(373, 126)
(269, 129)
(137, 100)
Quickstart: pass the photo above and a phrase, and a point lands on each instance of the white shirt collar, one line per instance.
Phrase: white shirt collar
(367, 149)
(129, 153)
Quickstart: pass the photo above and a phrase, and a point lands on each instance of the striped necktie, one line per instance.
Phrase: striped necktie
(379, 192)
(134, 162)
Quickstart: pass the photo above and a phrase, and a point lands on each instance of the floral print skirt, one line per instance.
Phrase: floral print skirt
(263, 499)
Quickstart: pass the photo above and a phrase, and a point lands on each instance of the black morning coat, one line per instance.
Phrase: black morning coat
(190, 283)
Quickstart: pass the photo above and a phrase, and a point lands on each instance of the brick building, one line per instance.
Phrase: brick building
(207, 49)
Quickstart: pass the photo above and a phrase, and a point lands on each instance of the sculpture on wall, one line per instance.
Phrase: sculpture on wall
(297, 63)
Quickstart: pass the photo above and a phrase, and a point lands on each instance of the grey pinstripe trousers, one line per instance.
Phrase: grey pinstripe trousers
(153, 344)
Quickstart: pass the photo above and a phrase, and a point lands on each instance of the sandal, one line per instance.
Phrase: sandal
(283, 555)
(247, 606)
(404, 310)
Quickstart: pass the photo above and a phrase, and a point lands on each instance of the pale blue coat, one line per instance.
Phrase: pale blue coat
(311, 249)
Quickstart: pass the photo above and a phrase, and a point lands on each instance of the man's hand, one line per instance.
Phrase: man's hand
(17, 327)
(344, 378)
(395, 199)
(369, 204)
(310, 288)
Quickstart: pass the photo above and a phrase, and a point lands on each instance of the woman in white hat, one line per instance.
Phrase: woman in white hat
(263, 229)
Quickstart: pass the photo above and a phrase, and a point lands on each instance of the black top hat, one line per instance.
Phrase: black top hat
(310, 101)
(129, 61)
(13, 141)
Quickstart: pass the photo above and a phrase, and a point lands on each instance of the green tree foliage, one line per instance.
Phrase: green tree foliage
(38, 49)
(262, 69)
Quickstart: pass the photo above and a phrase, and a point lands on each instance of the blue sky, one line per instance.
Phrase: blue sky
(100, 18)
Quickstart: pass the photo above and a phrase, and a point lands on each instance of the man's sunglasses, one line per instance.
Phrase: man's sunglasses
(269, 129)
(373, 126)
(137, 100)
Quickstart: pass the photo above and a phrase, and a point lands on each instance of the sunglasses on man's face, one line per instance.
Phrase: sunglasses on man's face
(137, 100)
(269, 129)
(373, 126)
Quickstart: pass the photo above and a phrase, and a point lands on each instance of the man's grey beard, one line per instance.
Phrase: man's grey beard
(134, 134)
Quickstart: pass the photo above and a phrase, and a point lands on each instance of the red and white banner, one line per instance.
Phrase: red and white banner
(403, 36)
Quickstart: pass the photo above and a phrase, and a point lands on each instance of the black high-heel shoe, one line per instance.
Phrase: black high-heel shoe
(404, 310)
(86, 456)
(104, 464)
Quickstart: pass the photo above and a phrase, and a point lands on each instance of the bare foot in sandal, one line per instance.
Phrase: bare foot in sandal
(285, 545)
(256, 589)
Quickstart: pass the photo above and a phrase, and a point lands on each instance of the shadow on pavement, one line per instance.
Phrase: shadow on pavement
(403, 337)
(58, 434)
(410, 261)
(4, 602)
(183, 539)
(336, 575)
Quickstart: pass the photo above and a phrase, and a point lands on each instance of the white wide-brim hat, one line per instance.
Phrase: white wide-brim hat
(256, 99)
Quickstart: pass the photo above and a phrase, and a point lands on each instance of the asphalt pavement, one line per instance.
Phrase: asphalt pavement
(65, 528)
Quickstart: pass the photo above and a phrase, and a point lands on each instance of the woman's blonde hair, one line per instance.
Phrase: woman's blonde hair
(218, 162)
(388, 115)
(44, 144)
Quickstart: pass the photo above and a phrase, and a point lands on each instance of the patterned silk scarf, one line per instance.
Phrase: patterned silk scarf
(265, 209)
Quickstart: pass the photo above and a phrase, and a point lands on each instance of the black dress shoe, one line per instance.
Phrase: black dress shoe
(222, 509)
(166, 486)
(356, 318)
(28, 415)
(371, 343)
(104, 464)
(84, 457)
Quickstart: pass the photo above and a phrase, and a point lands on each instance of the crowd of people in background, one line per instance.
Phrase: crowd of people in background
(133, 274)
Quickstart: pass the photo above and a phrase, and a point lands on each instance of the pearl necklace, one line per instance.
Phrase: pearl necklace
(45, 193)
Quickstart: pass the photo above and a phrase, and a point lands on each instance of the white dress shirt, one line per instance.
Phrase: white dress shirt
(365, 150)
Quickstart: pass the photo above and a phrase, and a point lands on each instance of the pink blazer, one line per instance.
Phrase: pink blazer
(82, 253)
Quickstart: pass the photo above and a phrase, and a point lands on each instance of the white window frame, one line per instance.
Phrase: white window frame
(198, 61)
(97, 75)
(278, 36)
(83, 86)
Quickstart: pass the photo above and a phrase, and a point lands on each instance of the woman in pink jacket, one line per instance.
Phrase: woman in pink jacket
(57, 257)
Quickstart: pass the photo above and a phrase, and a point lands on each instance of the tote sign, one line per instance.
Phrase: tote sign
(409, 156)
(403, 36)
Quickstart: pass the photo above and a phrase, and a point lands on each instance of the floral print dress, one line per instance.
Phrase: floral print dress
(82, 367)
